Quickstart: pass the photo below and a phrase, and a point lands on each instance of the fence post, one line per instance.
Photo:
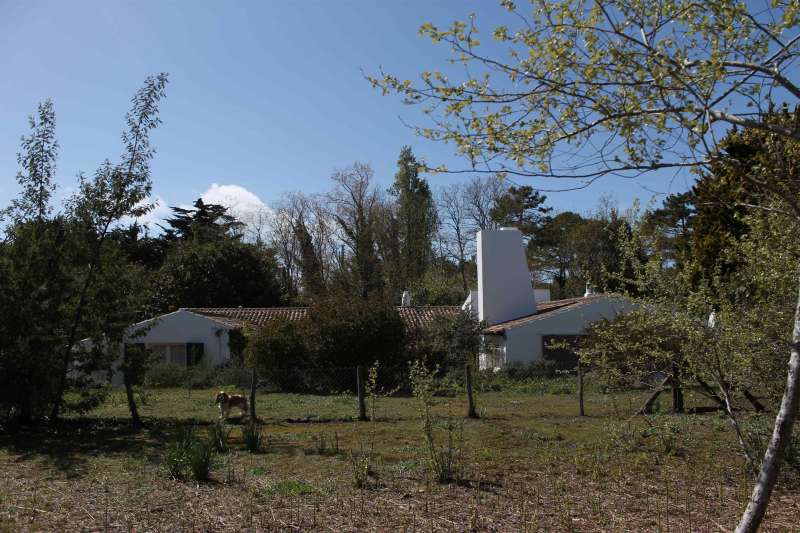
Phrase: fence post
(253, 385)
(362, 400)
(471, 413)
(580, 388)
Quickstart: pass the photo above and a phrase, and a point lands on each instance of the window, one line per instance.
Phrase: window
(560, 349)
(169, 353)
(194, 353)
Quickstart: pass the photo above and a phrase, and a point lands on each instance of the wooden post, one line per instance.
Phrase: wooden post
(580, 389)
(471, 413)
(253, 383)
(362, 400)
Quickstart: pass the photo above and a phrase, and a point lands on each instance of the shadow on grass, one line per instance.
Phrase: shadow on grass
(71, 443)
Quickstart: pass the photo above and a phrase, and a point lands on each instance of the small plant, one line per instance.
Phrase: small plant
(360, 468)
(325, 444)
(176, 454)
(445, 463)
(252, 436)
(199, 458)
(219, 436)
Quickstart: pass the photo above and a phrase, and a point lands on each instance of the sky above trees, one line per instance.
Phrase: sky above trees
(266, 97)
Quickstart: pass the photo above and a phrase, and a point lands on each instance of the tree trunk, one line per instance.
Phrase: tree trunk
(782, 432)
(471, 413)
(136, 421)
(648, 405)
(253, 384)
(677, 391)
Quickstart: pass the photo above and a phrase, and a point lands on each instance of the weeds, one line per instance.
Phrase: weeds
(175, 456)
(445, 463)
(219, 436)
(199, 458)
(186, 451)
(253, 437)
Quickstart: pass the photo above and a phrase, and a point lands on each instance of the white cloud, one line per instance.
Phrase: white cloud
(245, 205)
(241, 202)
(150, 219)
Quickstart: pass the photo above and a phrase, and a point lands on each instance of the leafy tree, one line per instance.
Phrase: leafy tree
(204, 223)
(227, 273)
(584, 90)
(310, 263)
(671, 226)
(522, 208)
(416, 218)
(277, 352)
(556, 253)
(38, 161)
(347, 332)
(65, 278)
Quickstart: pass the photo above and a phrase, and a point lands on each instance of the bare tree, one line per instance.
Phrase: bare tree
(480, 196)
(458, 238)
(354, 205)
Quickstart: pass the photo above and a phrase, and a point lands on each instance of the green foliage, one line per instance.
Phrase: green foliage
(200, 458)
(224, 273)
(521, 207)
(64, 277)
(204, 223)
(353, 331)
(176, 454)
(444, 462)
(448, 340)
(278, 352)
(416, 220)
(219, 435)
(253, 436)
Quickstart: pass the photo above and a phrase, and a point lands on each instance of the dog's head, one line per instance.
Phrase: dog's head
(222, 397)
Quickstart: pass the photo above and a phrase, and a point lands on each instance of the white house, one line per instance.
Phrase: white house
(520, 322)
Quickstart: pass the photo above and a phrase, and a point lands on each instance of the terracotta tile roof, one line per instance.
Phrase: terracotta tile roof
(258, 316)
(543, 310)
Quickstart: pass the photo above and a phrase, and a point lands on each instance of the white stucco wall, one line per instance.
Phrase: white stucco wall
(523, 343)
(182, 327)
(504, 282)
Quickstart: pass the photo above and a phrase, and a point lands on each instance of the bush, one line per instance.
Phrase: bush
(199, 458)
(165, 375)
(218, 436)
(177, 451)
(252, 436)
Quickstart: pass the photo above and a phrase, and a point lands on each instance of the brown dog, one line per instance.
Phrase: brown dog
(226, 401)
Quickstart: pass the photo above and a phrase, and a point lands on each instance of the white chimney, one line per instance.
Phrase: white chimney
(504, 283)
(405, 299)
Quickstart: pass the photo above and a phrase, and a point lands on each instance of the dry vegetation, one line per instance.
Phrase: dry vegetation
(530, 464)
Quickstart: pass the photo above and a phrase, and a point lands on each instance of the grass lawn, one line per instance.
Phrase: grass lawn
(529, 464)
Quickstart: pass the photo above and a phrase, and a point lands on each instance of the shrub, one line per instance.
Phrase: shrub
(165, 375)
(252, 436)
(176, 454)
(218, 436)
(199, 458)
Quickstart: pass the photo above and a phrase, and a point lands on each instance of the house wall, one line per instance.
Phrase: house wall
(182, 327)
(524, 342)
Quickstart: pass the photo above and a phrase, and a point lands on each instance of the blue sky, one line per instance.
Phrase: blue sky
(267, 95)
